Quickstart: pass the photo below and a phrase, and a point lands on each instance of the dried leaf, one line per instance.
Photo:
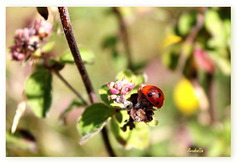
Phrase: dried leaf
(19, 112)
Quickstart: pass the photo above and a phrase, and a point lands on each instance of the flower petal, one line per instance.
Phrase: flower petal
(127, 89)
(110, 84)
(118, 85)
(114, 91)
(112, 97)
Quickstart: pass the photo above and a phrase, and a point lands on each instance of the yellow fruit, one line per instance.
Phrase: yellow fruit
(185, 97)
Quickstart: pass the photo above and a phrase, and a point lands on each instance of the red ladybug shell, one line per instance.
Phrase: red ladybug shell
(154, 95)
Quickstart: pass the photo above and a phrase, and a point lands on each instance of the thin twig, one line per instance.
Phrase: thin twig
(124, 34)
(70, 87)
(107, 143)
(63, 11)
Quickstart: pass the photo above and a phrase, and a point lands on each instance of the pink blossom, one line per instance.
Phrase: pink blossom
(127, 88)
(112, 97)
(118, 85)
(114, 91)
(43, 28)
(28, 40)
(123, 87)
(119, 89)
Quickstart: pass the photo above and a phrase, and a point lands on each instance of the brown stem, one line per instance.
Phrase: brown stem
(75, 52)
(106, 142)
(70, 87)
(124, 34)
(63, 11)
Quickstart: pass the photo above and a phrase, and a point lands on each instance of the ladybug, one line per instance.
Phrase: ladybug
(153, 94)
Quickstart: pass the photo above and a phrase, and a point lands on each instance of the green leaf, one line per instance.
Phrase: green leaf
(222, 62)
(127, 74)
(86, 54)
(104, 94)
(37, 53)
(48, 47)
(67, 57)
(215, 27)
(187, 49)
(170, 57)
(137, 138)
(93, 120)
(227, 26)
(186, 22)
(38, 91)
(110, 42)
(131, 77)
(119, 117)
(19, 142)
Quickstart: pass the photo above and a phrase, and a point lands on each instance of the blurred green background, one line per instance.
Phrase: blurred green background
(147, 29)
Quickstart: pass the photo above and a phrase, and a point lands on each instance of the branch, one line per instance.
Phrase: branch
(107, 143)
(75, 52)
(124, 34)
(63, 11)
(70, 87)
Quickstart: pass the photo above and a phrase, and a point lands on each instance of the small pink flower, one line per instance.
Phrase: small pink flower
(119, 89)
(43, 28)
(114, 91)
(27, 40)
(111, 86)
(123, 87)
(127, 88)
(118, 85)
(112, 97)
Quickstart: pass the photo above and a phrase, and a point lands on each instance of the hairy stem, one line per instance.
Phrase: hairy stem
(70, 87)
(124, 34)
(65, 19)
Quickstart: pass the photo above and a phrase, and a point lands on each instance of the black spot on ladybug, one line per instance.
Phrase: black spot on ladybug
(159, 94)
(157, 103)
(150, 94)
